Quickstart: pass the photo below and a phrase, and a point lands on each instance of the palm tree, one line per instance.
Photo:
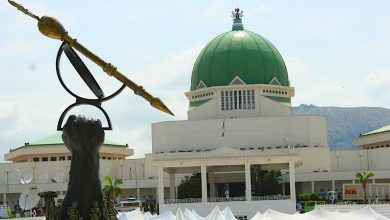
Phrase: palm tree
(112, 191)
(111, 188)
(363, 178)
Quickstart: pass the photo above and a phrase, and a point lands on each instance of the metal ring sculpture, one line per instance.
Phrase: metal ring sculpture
(88, 78)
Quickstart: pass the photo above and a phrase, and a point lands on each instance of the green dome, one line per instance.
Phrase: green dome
(239, 53)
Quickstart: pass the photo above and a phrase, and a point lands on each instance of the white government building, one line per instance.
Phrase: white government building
(239, 118)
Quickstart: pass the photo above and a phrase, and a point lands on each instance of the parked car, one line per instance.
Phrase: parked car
(128, 204)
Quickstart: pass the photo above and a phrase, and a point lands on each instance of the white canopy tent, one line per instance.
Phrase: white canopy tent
(366, 213)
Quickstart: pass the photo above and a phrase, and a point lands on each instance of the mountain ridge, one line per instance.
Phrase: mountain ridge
(347, 123)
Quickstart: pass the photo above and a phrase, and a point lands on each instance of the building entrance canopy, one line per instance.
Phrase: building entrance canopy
(226, 166)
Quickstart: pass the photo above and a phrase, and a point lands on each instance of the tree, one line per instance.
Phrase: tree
(363, 179)
(112, 191)
(111, 188)
(190, 187)
(265, 182)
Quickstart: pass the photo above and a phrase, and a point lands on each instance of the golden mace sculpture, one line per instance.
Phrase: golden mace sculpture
(52, 28)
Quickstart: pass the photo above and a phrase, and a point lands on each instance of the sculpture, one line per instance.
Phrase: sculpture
(95, 213)
(50, 209)
(83, 137)
(52, 28)
(73, 212)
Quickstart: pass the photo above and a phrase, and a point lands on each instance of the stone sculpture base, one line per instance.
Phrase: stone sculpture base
(84, 198)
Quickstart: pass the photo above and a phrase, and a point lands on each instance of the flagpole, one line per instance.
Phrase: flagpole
(223, 132)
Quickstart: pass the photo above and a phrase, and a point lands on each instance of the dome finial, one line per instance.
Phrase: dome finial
(237, 19)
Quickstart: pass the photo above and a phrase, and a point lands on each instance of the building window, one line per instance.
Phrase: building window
(69, 157)
(231, 100)
(45, 159)
(61, 158)
(53, 158)
(238, 99)
(248, 99)
(226, 100)
(223, 100)
(235, 100)
(36, 159)
(253, 99)
(244, 99)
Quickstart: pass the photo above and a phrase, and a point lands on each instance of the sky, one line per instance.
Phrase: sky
(337, 54)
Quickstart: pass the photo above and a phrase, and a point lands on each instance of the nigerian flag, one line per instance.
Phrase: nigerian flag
(223, 128)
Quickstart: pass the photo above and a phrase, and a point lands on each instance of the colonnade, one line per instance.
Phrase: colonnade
(203, 170)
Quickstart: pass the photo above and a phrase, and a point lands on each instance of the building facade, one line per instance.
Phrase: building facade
(239, 120)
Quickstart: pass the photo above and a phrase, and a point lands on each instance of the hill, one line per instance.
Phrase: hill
(345, 124)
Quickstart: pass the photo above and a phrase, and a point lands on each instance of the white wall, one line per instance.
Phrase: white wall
(360, 159)
(207, 110)
(239, 132)
(314, 159)
(264, 107)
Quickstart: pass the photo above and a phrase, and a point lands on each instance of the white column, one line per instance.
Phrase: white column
(7, 188)
(4, 199)
(248, 184)
(312, 187)
(283, 188)
(292, 179)
(203, 174)
(353, 181)
(212, 184)
(160, 185)
(373, 181)
(172, 186)
(333, 185)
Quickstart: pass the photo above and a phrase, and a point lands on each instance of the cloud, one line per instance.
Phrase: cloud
(325, 93)
(6, 109)
(20, 122)
(173, 68)
(170, 77)
(297, 67)
(377, 81)
(376, 87)
(213, 10)
(255, 11)
(314, 87)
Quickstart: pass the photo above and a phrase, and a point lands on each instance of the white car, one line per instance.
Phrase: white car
(127, 205)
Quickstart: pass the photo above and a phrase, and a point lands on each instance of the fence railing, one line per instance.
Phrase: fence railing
(227, 199)
(187, 200)
(271, 197)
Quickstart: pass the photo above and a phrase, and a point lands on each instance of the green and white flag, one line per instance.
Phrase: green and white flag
(223, 128)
